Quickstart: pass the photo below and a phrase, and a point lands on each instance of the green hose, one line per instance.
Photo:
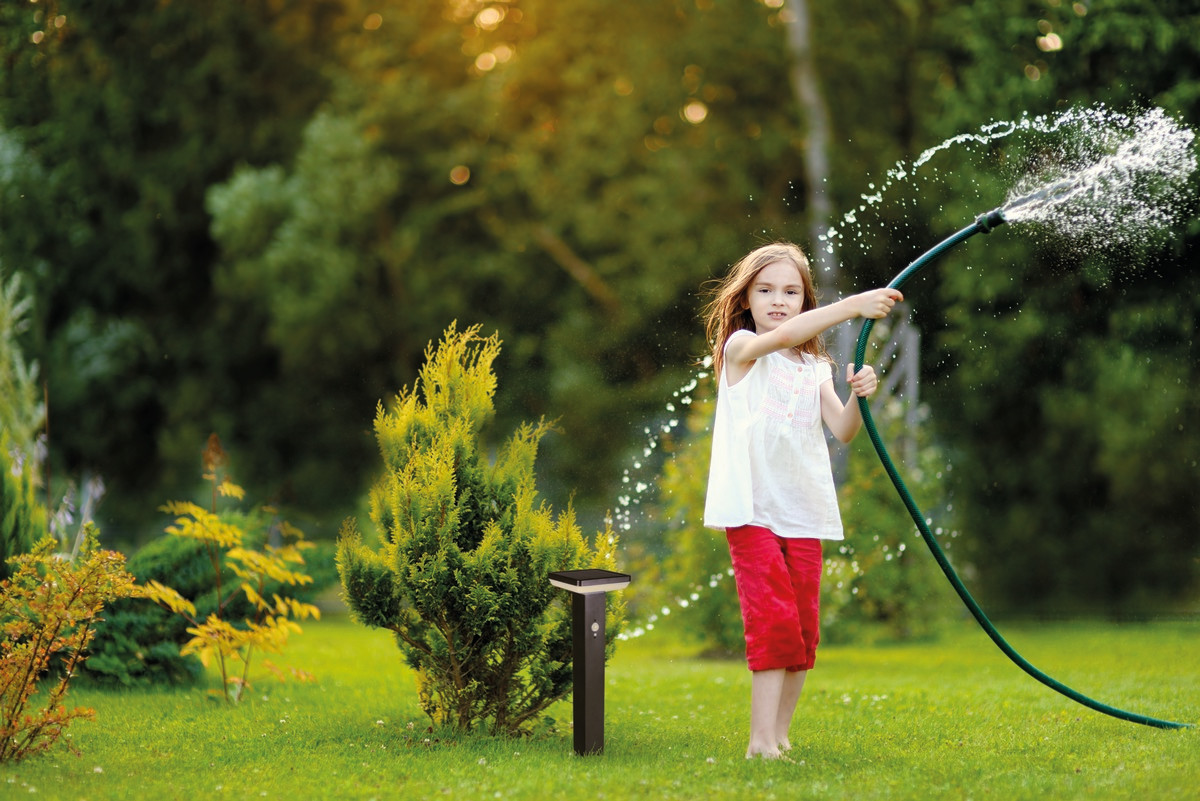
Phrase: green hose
(983, 224)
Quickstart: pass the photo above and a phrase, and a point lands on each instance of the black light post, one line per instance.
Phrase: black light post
(587, 627)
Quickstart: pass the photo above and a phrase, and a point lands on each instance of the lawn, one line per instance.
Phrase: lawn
(946, 719)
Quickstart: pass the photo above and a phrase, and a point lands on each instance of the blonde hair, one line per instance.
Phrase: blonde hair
(729, 309)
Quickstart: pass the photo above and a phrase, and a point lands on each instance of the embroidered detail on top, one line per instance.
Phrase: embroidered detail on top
(791, 394)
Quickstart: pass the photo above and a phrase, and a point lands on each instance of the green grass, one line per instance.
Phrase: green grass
(949, 719)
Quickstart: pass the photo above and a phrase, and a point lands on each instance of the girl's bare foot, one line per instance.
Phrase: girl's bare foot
(771, 755)
(765, 753)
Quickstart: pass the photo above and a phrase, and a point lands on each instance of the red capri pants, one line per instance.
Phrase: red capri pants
(779, 587)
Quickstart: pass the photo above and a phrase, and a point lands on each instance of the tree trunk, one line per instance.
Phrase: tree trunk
(807, 90)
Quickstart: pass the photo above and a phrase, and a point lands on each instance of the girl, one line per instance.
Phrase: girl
(770, 485)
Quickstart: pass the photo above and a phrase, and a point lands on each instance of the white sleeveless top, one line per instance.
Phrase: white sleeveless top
(770, 463)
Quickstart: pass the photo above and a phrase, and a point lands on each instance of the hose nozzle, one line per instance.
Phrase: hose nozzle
(992, 219)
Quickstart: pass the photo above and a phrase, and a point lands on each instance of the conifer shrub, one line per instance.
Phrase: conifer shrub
(458, 567)
(138, 642)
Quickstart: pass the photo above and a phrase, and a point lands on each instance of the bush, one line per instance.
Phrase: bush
(695, 574)
(138, 642)
(48, 609)
(272, 620)
(460, 571)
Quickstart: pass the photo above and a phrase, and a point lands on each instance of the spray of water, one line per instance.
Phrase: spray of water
(1114, 180)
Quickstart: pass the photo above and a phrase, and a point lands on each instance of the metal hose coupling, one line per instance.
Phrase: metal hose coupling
(992, 219)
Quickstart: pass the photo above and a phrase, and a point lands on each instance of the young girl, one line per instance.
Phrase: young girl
(770, 485)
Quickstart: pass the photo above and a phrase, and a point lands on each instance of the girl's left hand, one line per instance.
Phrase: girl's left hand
(863, 383)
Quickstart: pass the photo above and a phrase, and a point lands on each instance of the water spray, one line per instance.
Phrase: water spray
(983, 224)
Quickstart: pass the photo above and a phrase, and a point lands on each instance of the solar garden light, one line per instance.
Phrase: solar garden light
(587, 628)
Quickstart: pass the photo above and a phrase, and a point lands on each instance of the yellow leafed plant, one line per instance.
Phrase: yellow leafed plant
(217, 639)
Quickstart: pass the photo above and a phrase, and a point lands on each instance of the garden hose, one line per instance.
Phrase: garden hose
(984, 224)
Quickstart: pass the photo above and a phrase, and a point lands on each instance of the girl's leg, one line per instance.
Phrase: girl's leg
(804, 564)
(766, 696)
(793, 683)
(774, 635)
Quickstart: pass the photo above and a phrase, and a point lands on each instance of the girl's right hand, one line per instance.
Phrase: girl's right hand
(876, 303)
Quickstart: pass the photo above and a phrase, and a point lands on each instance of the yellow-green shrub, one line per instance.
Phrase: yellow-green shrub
(464, 549)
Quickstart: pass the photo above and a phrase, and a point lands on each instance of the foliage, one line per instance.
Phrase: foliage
(882, 581)
(22, 518)
(197, 239)
(460, 571)
(272, 620)
(138, 644)
(694, 573)
(48, 610)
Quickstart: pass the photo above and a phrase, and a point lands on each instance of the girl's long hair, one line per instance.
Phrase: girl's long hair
(729, 309)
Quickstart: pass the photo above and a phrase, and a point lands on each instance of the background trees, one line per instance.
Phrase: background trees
(119, 118)
(251, 218)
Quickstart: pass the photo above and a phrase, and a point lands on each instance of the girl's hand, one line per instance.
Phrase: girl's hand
(876, 303)
(863, 383)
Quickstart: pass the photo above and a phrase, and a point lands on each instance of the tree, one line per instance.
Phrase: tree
(578, 170)
(464, 550)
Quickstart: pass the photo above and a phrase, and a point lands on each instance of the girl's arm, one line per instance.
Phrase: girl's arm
(844, 420)
(873, 304)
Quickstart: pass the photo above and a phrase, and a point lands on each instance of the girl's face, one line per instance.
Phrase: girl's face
(776, 294)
